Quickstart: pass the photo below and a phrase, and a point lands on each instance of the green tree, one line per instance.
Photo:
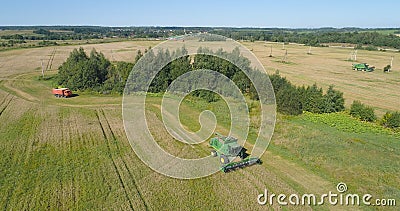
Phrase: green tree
(180, 66)
(287, 100)
(286, 95)
(333, 101)
(207, 95)
(242, 81)
(117, 76)
(313, 99)
(81, 72)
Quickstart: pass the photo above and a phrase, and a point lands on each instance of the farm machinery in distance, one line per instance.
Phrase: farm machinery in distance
(363, 67)
(62, 92)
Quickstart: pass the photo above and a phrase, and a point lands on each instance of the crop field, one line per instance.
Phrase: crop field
(74, 154)
(326, 66)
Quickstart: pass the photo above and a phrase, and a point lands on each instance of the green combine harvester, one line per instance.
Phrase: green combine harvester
(228, 149)
(363, 67)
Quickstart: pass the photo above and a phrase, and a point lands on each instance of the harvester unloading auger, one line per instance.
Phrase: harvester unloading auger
(227, 148)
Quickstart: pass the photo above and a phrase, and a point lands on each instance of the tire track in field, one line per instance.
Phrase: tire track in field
(50, 62)
(4, 98)
(6, 103)
(107, 141)
(133, 179)
(226, 191)
(261, 177)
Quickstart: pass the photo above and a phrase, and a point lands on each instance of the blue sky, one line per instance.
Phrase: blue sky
(284, 13)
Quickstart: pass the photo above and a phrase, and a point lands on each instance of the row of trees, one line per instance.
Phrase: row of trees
(220, 63)
(316, 38)
(42, 34)
(11, 43)
(291, 99)
(93, 72)
(84, 33)
(294, 100)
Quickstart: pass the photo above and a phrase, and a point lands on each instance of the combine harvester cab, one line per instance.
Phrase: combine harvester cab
(228, 149)
(62, 92)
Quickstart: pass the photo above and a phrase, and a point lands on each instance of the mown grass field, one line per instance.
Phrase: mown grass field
(327, 66)
(74, 154)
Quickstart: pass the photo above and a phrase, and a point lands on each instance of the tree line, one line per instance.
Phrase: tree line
(84, 33)
(95, 73)
(314, 37)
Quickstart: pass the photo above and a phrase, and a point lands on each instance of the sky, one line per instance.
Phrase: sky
(256, 13)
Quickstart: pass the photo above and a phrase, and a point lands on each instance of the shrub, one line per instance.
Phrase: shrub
(362, 112)
(207, 95)
(391, 119)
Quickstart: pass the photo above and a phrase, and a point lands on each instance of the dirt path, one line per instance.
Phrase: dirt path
(11, 86)
(8, 85)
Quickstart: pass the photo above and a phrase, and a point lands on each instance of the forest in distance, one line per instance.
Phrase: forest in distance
(370, 39)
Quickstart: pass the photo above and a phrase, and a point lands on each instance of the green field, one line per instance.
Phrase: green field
(74, 154)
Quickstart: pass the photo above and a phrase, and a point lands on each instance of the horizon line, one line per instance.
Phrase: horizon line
(176, 26)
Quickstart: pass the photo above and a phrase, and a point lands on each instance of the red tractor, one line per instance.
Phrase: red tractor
(62, 92)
